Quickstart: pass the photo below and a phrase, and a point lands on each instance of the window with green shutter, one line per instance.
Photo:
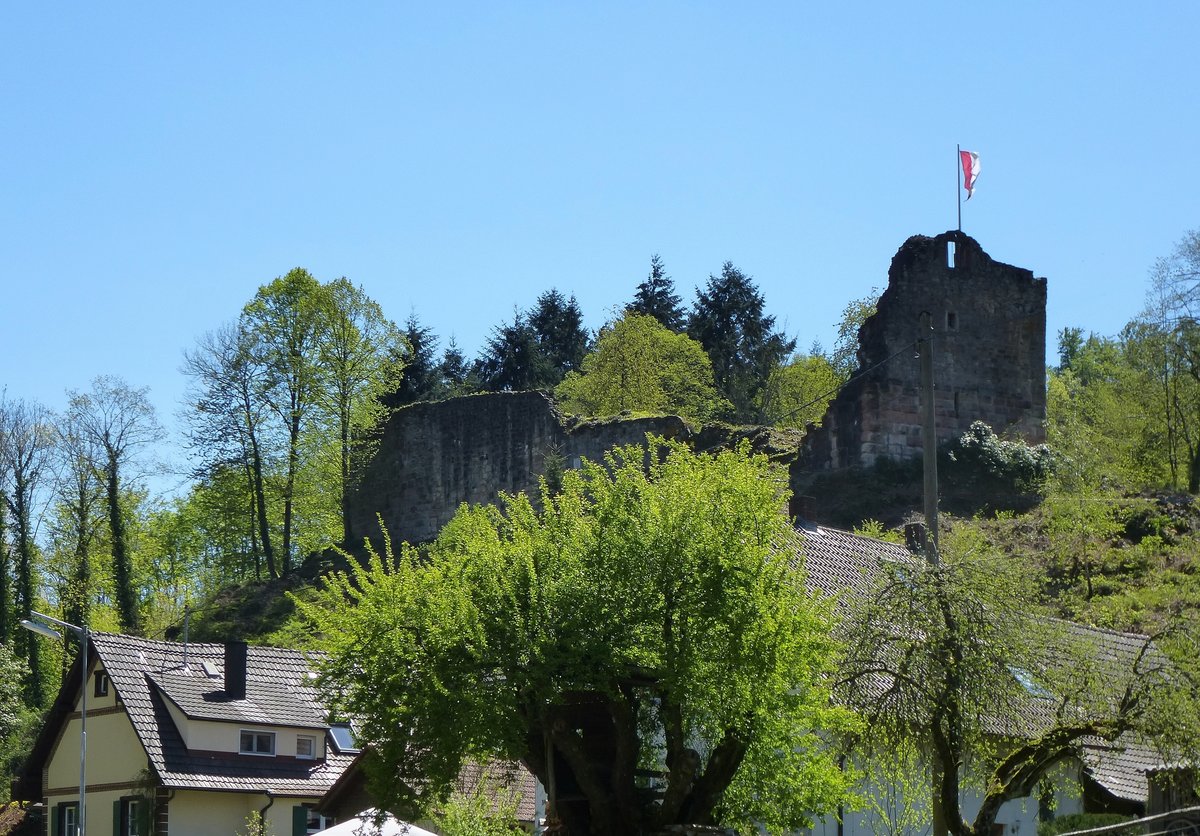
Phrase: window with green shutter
(299, 820)
(131, 816)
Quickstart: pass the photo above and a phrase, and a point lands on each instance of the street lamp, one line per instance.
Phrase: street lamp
(43, 629)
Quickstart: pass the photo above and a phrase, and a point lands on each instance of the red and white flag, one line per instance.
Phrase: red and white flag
(970, 164)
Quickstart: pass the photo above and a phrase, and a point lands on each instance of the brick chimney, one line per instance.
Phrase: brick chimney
(235, 670)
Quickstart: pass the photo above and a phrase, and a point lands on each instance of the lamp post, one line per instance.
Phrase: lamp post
(41, 628)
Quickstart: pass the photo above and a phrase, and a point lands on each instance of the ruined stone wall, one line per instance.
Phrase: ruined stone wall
(435, 456)
(989, 328)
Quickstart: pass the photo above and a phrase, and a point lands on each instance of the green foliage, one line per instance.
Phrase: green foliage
(727, 319)
(844, 358)
(255, 825)
(641, 366)
(877, 531)
(656, 297)
(1086, 821)
(19, 723)
(537, 349)
(648, 590)
(798, 392)
(487, 809)
(959, 656)
(980, 459)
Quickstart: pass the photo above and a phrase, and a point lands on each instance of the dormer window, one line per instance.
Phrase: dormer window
(101, 684)
(306, 746)
(257, 743)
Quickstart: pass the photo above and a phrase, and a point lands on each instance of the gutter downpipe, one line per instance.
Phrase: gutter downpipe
(262, 814)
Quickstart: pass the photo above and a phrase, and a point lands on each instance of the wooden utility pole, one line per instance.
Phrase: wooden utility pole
(929, 436)
(929, 444)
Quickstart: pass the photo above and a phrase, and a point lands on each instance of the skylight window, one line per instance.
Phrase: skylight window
(343, 737)
(1025, 678)
(210, 669)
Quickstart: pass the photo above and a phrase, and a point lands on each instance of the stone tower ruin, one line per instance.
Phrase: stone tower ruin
(989, 349)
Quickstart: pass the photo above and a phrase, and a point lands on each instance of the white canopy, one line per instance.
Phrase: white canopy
(361, 826)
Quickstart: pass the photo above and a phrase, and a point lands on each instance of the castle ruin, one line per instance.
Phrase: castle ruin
(989, 352)
(989, 342)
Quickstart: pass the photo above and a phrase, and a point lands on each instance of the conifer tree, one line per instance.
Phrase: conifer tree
(728, 320)
(656, 297)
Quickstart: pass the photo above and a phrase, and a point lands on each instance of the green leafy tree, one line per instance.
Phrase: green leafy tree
(958, 657)
(121, 423)
(640, 621)
(656, 297)
(489, 808)
(227, 430)
(288, 320)
(456, 375)
(26, 449)
(741, 341)
(641, 366)
(844, 358)
(358, 353)
(799, 391)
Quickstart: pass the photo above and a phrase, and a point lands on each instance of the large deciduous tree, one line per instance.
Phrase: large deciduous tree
(226, 428)
(641, 366)
(728, 320)
(637, 623)
(956, 659)
(361, 352)
(121, 422)
(26, 450)
(79, 497)
(287, 320)
(799, 391)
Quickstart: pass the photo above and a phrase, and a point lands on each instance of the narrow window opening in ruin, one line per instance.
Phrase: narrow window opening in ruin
(950, 254)
(951, 321)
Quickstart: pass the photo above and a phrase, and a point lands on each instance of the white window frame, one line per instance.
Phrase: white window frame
(316, 822)
(129, 815)
(256, 736)
(312, 746)
(70, 819)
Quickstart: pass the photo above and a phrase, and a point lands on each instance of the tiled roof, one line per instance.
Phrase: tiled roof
(512, 777)
(837, 562)
(144, 673)
(1122, 767)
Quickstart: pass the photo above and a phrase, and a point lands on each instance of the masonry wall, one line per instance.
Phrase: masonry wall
(989, 329)
(435, 456)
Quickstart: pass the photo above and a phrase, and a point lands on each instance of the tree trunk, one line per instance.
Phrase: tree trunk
(290, 488)
(347, 532)
(5, 577)
(127, 607)
(260, 501)
(25, 590)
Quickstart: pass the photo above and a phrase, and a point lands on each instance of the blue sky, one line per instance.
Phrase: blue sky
(160, 161)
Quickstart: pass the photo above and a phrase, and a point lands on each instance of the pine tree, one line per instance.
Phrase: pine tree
(558, 324)
(420, 380)
(727, 319)
(656, 297)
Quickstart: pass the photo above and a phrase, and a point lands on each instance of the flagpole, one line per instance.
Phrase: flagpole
(958, 181)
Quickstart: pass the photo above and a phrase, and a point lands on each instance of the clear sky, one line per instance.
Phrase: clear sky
(159, 161)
